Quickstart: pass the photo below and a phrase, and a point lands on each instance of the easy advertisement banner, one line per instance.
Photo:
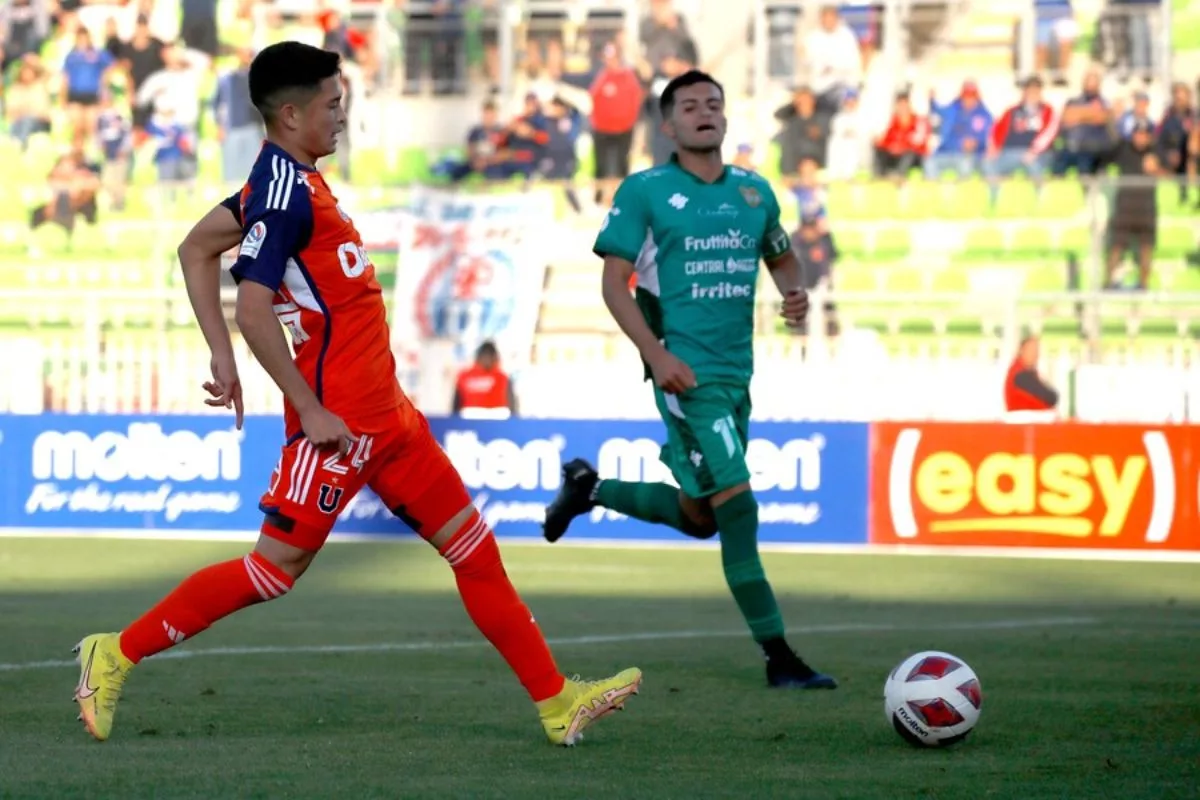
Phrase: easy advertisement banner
(1116, 487)
(198, 473)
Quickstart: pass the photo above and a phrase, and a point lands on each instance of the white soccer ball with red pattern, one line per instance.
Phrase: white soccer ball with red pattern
(932, 699)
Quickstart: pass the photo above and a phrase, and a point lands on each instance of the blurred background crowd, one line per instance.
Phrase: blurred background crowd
(956, 173)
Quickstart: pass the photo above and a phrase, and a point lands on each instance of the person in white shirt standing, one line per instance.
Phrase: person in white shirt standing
(832, 59)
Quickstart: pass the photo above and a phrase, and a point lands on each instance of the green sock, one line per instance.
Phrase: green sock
(649, 502)
(737, 520)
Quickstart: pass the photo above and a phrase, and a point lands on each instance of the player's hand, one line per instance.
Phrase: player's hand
(326, 431)
(671, 374)
(225, 387)
(795, 308)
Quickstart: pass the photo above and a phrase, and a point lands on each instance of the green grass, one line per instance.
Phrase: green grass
(1102, 707)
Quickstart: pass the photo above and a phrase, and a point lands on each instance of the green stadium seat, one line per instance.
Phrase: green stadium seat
(967, 200)
(891, 243)
(856, 277)
(1017, 198)
(1176, 240)
(986, 242)
(1031, 239)
(1061, 197)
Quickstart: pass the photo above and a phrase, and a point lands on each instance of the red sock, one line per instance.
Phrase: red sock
(497, 610)
(205, 597)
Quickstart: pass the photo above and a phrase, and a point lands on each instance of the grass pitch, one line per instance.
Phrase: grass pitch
(1088, 671)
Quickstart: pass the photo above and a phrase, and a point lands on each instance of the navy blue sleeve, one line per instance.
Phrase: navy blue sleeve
(278, 225)
(234, 204)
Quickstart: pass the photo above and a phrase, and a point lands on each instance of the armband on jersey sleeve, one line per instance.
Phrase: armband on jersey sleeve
(775, 241)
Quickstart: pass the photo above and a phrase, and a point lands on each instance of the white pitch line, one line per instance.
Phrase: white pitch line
(616, 638)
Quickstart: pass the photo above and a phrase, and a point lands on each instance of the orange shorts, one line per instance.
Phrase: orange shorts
(395, 455)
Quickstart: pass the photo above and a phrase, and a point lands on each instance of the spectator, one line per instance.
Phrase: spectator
(810, 195)
(239, 125)
(1137, 118)
(1086, 135)
(1134, 217)
(805, 131)
(198, 26)
(175, 155)
(963, 126)
(1177, 125)
(664, 36)
(1024, 387)
(439, 32)
(527, 137)
(115, 137)
(175, 89)
(484, 389)
(849, 141)
(832, 59)
(668, 50)
(866, 22)
(617, 98)
(1021, 139)
(141, 57)
(816, 254)
(112, 40)
(1129, 26)
(27, 102)
(660, 145)
(487, 153)
(902, 146)
(73, 184)
(559, 161)
(85, 74)
(1055, 32)
(24, 27)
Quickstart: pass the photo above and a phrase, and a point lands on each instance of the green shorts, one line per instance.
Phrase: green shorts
(707, 431)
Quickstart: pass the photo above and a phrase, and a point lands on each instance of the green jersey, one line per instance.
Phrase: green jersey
(696, 247)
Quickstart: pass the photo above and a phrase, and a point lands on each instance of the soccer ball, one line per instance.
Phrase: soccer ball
(932, 699)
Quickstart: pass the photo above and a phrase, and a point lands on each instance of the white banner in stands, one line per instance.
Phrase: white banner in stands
(471, 268)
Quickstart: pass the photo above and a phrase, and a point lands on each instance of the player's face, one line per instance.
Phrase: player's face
(323, 118)
(697, 122)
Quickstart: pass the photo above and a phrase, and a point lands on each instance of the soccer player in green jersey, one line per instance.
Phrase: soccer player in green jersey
(694, 231)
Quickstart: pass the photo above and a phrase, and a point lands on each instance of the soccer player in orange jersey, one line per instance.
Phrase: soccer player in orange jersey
(302, 263)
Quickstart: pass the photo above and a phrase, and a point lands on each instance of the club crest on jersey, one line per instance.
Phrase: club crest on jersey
(330, 497)
(751, 196)
(254, 240)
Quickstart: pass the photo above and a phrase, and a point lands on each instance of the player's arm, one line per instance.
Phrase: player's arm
(273, 235)
(200, 259)
(257, 321)
(783, 265)
(619, 244)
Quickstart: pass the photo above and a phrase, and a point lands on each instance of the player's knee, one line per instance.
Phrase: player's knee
(702, 528)
(472, 547)
(275, 544)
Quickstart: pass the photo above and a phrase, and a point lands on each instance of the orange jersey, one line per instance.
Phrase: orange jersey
(481, 388)
(301, 245)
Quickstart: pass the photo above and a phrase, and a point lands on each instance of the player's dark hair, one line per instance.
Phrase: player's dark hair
(488, 348)
(289, 72)
(666, 103)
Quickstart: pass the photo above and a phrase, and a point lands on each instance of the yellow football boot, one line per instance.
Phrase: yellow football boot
(580, 703)
(102, 672)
